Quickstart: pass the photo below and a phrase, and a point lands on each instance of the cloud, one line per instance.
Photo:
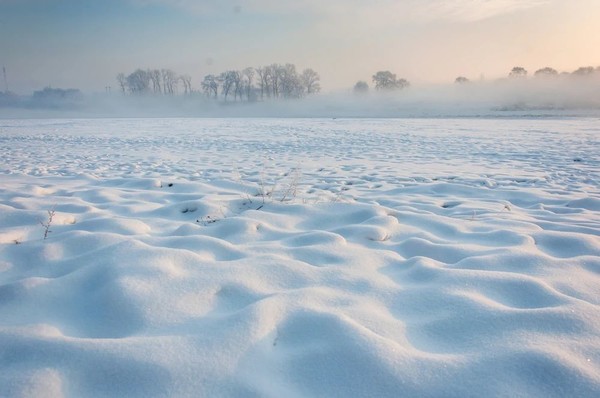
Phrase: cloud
(474, 10)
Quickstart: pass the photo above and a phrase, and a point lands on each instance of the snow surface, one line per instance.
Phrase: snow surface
(300, 258)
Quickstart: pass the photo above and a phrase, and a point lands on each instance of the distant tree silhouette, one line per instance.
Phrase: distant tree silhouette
(518, 72)
(274, 73)
(310, 81)
(227, 80)
(186, 80)
(262, 81)
(138, 82)
(402, 83)
(238, 88)
(461, 80)
(386, 80)
(290, 86)
(547, 71)
(169, 81)
(210, 86)
(155, 78)
(584, 71)
(273, 81)
(122, 80)
(248, 76)
(361, 87)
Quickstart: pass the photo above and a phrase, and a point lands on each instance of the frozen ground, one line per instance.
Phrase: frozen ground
(300, 258)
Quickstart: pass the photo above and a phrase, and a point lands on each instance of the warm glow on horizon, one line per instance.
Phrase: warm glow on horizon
(68, 43)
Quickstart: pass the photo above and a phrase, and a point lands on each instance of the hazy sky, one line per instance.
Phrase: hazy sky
(85, 43)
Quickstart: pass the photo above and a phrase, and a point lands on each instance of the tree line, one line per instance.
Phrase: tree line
(383, 81)
(518, 72)
(272, 81)
(157, 81)
(387, 81)
(249, 84)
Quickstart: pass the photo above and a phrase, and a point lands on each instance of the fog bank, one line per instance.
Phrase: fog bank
(503, 98)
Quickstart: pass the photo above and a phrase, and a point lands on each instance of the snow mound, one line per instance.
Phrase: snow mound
(361, 278)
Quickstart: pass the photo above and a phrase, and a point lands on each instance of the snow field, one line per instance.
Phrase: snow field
(407, 258)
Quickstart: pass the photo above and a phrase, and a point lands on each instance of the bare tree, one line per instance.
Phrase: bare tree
(155, 82)
(386, 80)
(155, 77)
(122, 82)
(238, 85)
(210, 86)
(271, 79)
(227, 80)
(169, 79)
(262, 81)
(248, 75)
(289, 81)
(274, 78)
(310, 80)
(187, 83)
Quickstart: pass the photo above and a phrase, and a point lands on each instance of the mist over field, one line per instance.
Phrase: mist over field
(506, 97)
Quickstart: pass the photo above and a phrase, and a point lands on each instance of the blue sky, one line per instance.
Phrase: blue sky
(84, 44)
